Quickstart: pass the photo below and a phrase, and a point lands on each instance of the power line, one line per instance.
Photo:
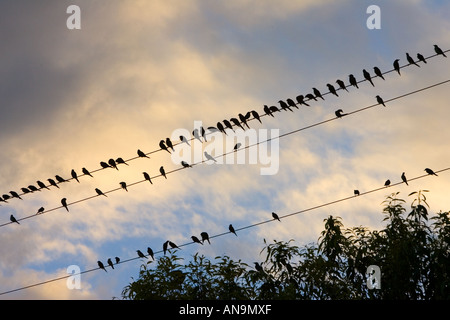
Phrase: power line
(261, 116)
(288, 215)
(232, 151)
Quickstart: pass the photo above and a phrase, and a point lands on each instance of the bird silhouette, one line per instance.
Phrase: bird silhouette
(228, 124)
(33, 188)
(230, 227)
(339, 113)
(161, 170)
(40, 210)
(11, 217)
(317, 93)
(64, 203)
(110, 263)
(53, 183)
(173, 245)
(275, 216)
(86, 172)
(104, 165)
(15, 195)
(140, 254)
(141, 154)
(195, 239)
(41, 185)
(267, 111)
(203, 133)
(439, 50)
(196, 136)
(284, 105)
(185, 164)
(121, 161)
(163, 146)
(99, 192)
(74, 175)
(332, 89)
(113, 163)
(183, 139)
(258, 267)
(237, 123)
(291, 103)
(378, 72)
(274, 109)
(256, 115)
(169, 144)
(300, 100)
(421, 58)
(380, 100)
(221, 127)
(411, 60)
(6, 197)
(404, 178)
(60, 179)
(367, 76)
(430, 172)
(209, 157)
(150, 253)
(356, 192)
(165, 244)
(237, 146)
(205, 237)
(243, 120)
(101, 266)
(117, 260)
(387, 183)
(147, 177)
(123, 185)
(310, 96)
(397, 66)
(341, 84)
(352, 80)
(25, 190)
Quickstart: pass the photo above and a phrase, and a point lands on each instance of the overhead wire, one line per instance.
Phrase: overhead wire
(261, 116)
(288, 215)
(229, 152)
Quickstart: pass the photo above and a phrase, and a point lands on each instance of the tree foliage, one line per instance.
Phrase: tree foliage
(412, 251)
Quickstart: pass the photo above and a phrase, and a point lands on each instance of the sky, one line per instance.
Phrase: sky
(137, 72)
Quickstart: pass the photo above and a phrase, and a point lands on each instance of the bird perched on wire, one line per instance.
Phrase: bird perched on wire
(341, 84)
(140, 254)
(169, 144)
(404, 178)
(421, 58)
(113, 163)
(356, 192)
(117, 260)
(163, 146)
(205, 237)
(397, 66)
(100, 192)
(74, 175)
(228, 124)
(104, 165)
(101, 266)
(243, 120)
(300, 100)
(332, 89)
(230, 227)
(387, 183)
(221, 128)
(411, 60)
(142, 154)
(380, 101)
(64, 203)
(439, 50)
(317, 93)
(353, 81)
(124, 186)
(86, 172)
(41, 185)
(147, 177)
(40, 210)
(15, 195)
(367, 76)
(209, 157)
(163, 173)
(11, 217)
(165, 245)
(339, 113)
(121, 161)
(110, 263)
(185, 164)
(173, 245)
(53, 183)
(378, 72)
(185, 140)
(284, 105)
(60, 179)
(291, 103)
(237, 146)
(275, 216)
(237, 123)
(430, 172)
(196, 240)
(150, 253)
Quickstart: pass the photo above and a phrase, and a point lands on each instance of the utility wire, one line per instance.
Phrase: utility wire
(261, 116)
(232, 151)
(288, 215)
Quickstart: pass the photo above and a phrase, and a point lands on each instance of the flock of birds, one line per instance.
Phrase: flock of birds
(200, 133)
